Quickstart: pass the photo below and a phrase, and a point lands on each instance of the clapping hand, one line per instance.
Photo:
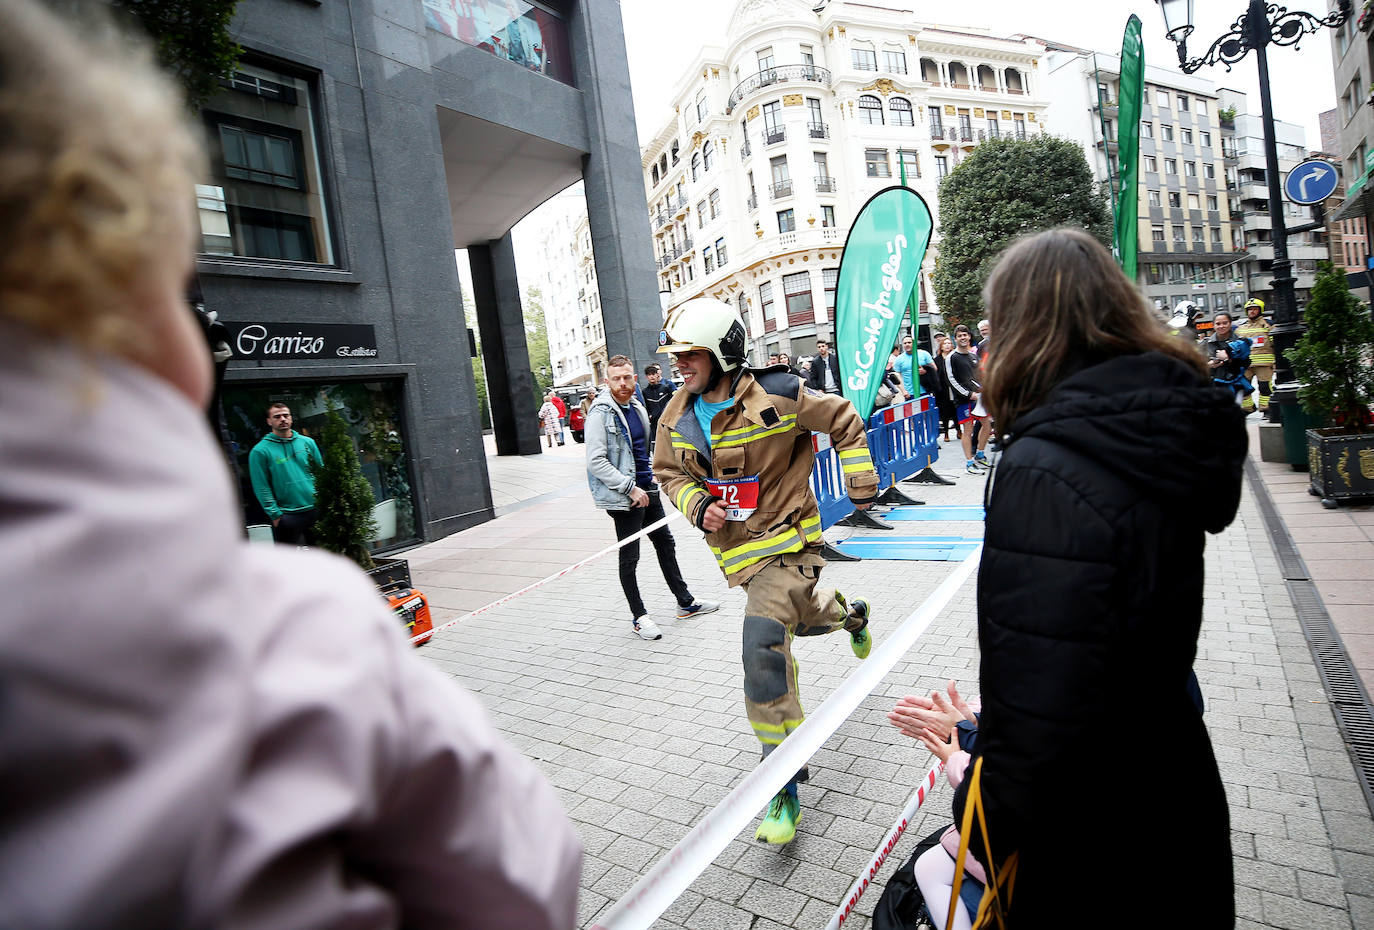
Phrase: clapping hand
(939, 714)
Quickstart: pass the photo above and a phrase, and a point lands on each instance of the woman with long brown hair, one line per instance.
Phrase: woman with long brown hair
(1119, 456)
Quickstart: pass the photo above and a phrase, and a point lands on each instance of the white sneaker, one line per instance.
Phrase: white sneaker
(646, 628)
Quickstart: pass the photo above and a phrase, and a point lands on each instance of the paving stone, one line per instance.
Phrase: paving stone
(715, 914)
(1294, 914)
(1322, 889)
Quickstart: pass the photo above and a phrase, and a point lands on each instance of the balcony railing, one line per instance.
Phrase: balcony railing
(781, 189)
(937, 130)
(818, 130)
(745, 151)
(752, 203)
(774, 136)
(777, 75)
(825, 184)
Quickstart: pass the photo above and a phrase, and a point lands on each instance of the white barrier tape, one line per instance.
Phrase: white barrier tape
(423, 637)
(670, 876)
(856, 890)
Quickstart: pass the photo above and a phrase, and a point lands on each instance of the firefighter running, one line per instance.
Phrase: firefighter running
(734, 455)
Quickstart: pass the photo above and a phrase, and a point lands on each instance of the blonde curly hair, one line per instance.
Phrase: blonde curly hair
(98, 163)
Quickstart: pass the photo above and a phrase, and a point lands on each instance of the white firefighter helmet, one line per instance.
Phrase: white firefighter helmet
(705, 323)
(1185, 312)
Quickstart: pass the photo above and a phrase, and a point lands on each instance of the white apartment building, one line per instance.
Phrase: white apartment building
(560, 265)
(779, 137)
(1248, 187)
(1190, 246)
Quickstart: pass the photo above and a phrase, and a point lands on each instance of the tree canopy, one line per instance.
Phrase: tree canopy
(192, 40)
(1006, 189)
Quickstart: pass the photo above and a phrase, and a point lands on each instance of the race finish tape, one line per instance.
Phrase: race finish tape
(423, 637)
(856, 890)
(670, 876)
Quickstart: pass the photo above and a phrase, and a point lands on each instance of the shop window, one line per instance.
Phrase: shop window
(372, 413)
(265, 196)
(518, 31)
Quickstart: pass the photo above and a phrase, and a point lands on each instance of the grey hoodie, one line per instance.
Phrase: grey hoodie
(198, 731)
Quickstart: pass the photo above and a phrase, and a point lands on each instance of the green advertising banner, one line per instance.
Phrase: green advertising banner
(1124, 244)
(878, 269)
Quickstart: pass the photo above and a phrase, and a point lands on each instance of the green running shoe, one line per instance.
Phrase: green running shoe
(780, 823)
(861, 641)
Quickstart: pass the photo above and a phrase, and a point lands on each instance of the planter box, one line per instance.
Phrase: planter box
(390, 574)
(1340, 465)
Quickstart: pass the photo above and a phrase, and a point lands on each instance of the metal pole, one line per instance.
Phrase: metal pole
(1286, 328)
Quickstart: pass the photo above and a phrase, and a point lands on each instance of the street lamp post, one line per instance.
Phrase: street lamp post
(1261, 25)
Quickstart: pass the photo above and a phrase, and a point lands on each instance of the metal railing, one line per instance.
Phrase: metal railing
(825, 184)
(781, 189)
(745, 151)
(937, 130)
(776, 75)
(752, 203)
(818, 130)
(774, 136)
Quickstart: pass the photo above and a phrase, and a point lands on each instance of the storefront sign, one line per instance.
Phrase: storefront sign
(302, 340)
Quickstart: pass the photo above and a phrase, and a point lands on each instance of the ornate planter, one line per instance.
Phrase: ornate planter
(1340, 465)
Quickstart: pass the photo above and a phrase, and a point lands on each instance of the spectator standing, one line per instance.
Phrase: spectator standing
(282, 469)
(1228, 355)
(825, 370)
(736, 461)
(984, 333)
(1119, 458)
(961, 368)
(656, 397)
(562, 414)
(944, 397)
(785, 359)
(548, 416)
(622, 483)
(220, 734)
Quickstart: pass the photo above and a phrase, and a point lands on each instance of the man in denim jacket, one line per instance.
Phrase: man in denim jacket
(622, 484)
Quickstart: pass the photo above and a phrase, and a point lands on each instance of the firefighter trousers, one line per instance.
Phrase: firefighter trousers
(783, 601)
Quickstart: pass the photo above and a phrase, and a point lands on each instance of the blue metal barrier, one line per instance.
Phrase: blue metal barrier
(902, 439)
(827, 483)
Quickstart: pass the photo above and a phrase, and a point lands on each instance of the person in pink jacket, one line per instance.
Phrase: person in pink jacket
(196, 731)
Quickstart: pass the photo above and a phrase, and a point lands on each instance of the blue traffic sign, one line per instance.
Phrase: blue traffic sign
(1311, 182)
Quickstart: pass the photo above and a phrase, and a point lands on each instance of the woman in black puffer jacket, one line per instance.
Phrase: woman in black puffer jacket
(1120, 456)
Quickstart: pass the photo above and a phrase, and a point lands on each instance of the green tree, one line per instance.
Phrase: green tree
(1004, 190)
(343, 498)
(192, 40)
(537, 342)
(1331, 359)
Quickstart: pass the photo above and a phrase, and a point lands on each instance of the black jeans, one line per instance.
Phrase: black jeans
(296, 529)
(629, 522)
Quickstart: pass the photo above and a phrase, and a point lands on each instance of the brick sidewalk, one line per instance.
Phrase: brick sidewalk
(641, 739)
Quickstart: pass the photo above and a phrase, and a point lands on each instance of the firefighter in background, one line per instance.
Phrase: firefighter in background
(734, 454)
(1261, 371)
(1184, 321)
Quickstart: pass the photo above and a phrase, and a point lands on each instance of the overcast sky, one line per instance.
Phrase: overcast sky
(663, 37)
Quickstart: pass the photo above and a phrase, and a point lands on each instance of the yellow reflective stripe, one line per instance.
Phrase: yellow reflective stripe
(852, 467)
(684, 497)
(739, 430)
(855, 454)
(773, 734)
(747, 434)
(811, 528)
(683, 444)
(790, 540)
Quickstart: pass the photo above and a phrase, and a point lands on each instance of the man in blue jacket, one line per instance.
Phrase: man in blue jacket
(282, 470)
(622, 484)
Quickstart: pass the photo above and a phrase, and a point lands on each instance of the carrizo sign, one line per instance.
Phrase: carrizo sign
(267, 341)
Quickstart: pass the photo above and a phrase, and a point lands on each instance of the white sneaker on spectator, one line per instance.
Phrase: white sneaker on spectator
(646, 628)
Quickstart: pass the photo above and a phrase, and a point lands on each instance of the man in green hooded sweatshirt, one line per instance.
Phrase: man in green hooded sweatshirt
(280, 466)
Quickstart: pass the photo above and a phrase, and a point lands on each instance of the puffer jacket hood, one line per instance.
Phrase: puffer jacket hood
(1155, 422)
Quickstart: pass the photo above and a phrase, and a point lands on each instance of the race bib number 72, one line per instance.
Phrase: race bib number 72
(739, 496)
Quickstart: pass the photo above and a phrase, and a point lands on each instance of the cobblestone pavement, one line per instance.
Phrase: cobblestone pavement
(641, 739)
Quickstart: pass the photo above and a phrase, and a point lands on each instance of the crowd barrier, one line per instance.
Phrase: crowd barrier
(903, 441)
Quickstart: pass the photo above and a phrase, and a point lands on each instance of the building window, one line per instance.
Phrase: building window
(1194, 203)
(865, 59)
(1216, 235)
(1182, 103)
(876, 163)
(706, 149)
(1154, 198)
(1197, 235)
(1157, 233)
(766, 306)
(870, 110)
(1151, 165)
(796, 290)
(1166, 132)
(1171, 166)
(720, 253)
(1205, 137)
(830, 279)
(808, 58)
(1156, 274)
(900, 108)
(1212, 202)
(1174, 201)
(1161, 98)
(701, 213)
(1201, 106)
(765, 56)
(523, 33)
(827, 215)
(715, 203)
(708, 260)
(696, 165)
(702, 108)
(910, 160)
(1190, 169)
(1185, 136)
(265, 199)
(937, 122)
(894, 62)
(772, 121)
(787, 220)
(1178, 234)
(1209, 170)
(941, 166)
(653, 172)
(781, 176)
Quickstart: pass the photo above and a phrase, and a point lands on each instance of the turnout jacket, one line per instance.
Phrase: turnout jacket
(766, 434)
